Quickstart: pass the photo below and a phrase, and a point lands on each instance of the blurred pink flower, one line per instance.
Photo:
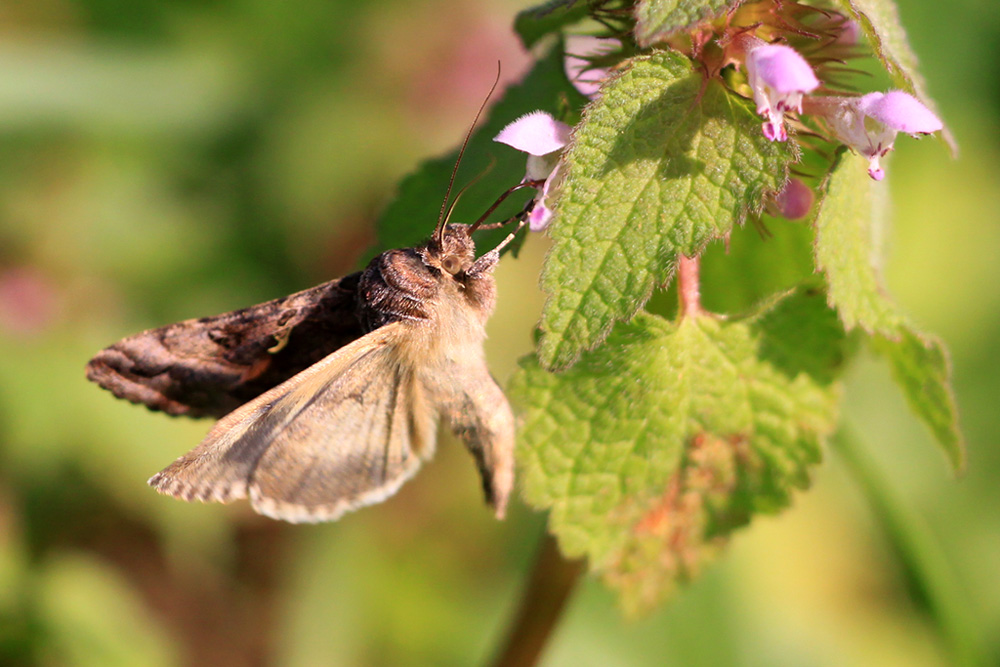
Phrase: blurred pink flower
(850, 33)
(793, 201)
(29, 303)
(543, 138)
(778, 77)
(580, 53)
(869, 123)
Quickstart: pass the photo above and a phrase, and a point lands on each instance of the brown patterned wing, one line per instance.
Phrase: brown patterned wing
(211, 366)
(345, 433)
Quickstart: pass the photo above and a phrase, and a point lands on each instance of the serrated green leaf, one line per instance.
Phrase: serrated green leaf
(534, 23)
(879, 19)
(797, 329)
(658, 19)
(921, 368)
(411, 216)
(662, 162)
(654, 447)
(848, 222)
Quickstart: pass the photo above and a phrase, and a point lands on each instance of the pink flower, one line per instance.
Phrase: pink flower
(581, 51)
(850, 33)
(543, 138)
(794, 200)
(869, 123)
(778, 77)
(30, 302)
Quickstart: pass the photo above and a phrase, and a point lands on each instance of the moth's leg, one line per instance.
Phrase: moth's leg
(523, 215)
(487, 262)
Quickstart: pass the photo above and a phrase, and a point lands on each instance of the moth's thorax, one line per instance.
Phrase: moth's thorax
(431, 286)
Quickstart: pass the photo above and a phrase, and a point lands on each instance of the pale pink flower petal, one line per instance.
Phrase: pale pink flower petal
(869, 124)
(875, 169)
(536, 133)
(580, 71)
(540, 217)
(850, 33)
(781, 68)
(900, 111)
(540, 167)
(778, 77)
(543, 138)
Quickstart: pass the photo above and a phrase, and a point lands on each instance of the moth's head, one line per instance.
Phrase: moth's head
(454, 252)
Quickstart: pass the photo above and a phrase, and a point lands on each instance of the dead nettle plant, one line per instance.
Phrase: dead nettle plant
(651, 428)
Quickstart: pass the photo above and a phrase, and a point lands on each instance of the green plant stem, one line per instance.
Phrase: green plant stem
(921, 558)
(551, 582)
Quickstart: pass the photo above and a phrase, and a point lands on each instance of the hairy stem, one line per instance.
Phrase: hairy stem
(688, 287)
(549, 587)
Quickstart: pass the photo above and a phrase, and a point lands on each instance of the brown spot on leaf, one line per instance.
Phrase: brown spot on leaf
(680, 529)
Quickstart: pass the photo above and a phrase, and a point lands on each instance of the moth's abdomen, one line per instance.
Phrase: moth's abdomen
(395, 286)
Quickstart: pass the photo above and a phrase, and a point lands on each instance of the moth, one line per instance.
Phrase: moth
(330, 398)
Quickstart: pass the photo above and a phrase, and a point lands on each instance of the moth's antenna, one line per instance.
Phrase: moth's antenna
(465, 188)
(525, 184)
(439, 230)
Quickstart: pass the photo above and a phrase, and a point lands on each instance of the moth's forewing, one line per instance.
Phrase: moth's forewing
(212, 365)
(345, 433)
(354, 445)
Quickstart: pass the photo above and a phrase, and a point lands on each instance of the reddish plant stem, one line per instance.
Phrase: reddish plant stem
(688, 286)
(552, 581)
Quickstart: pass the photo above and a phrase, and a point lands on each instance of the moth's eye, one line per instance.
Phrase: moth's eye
(451, 264)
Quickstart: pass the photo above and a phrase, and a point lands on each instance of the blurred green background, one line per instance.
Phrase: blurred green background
(161, 160)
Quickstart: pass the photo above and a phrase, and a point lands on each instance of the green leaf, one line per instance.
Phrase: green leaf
(848, 223)
(534, 23)
(658, 19)
(754, 265)
(879, 19)
(922, 369)
(652, 449)
(411, 216)
(663, 162)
